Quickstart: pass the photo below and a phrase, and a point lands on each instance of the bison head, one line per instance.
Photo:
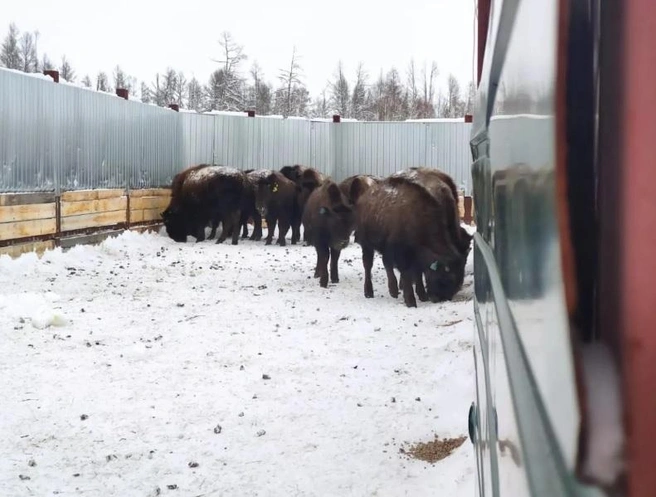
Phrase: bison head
(444, 278)
(174, 222)
(338, 216)
(265, 189)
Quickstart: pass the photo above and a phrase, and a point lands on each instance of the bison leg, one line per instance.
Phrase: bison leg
(323, 254)
(283, 228)
(408, 291)
(392, 285)
(225, 230)
(296, 231)
(214, 224)
(244, 230)
(271, 227)
(199, 232)
(257, 227)
(334, 259)
(234, 218)
(419, 286)
(368, 262)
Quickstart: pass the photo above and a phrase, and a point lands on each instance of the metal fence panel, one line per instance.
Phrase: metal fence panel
(59, 137)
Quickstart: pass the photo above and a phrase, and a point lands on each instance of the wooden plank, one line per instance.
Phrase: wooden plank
(26, 198)
(25, 229)
(80, 195)
(152, 215)
(151, 192)
(93, 206)
(93, 220)
(139, 203)
(90, 239)
(29, 212)
(24, 248)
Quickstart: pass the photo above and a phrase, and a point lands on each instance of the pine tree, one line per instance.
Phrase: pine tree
(339, 93)
(359, 98)
(196, 100)
(10, 56)
(145, 93)
(181, 90)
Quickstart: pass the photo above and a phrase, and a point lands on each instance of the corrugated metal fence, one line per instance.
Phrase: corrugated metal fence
(57, 137)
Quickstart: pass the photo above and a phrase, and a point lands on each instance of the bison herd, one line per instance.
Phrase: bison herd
(411, 218)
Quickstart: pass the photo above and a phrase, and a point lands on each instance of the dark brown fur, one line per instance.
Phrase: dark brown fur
(414, 232)
(275, 200)
(328, 220)
(198, 201)
(306, 179)
(362, 183)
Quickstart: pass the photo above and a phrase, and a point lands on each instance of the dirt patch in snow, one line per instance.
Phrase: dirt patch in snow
(433, 451)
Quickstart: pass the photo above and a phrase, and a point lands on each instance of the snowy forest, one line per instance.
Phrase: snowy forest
(236, 85)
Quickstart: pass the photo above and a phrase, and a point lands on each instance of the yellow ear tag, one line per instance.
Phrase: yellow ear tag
(274, 188)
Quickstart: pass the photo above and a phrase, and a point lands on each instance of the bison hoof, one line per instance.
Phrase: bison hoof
(369, 295)
(423, 298)
(235, 242)
(394, 294)
(267, 242)
(412, 303)
(282, 243)
(334, 280)
(323, 283)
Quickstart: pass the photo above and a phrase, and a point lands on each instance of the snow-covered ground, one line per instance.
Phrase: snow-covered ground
(142, 367)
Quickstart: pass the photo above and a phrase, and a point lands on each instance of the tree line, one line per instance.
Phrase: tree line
(391, 96)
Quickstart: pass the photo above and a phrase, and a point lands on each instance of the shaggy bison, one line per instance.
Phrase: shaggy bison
(307, 180)
(438, 183)
(328, 220)
(414, 231)
(248, 209)
(275, 200)
(203, 195)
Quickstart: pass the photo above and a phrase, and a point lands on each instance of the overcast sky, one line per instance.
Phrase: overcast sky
(147, 36)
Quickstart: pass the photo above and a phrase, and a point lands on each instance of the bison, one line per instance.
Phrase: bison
(248, 209)
(436, 182)
(275, 200)
(328, 221)
(364, 180)
(415, 231)
(306, 179)
(203, 195)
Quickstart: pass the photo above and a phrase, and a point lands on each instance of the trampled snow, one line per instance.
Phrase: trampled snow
(142, 367)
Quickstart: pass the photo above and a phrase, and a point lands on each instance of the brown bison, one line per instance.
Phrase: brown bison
(328, 221)
(275, 200)
(204, 195)
(248, 209)
(365, 180)
(307, 180)
(415, 232)
(437, 183)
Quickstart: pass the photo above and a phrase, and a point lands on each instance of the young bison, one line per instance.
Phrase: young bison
(203, 195)
(307, 180)
(328, 220)
(275, 200)
(414, 232)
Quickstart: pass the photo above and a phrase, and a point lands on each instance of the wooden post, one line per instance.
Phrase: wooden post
(469, 118)
(337, 118)
(123, 93)
(250, 113)
(53, 74)
(483, 22)
(468, 218)
(175, 107)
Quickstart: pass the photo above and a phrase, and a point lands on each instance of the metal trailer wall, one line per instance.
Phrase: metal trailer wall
(57, 137)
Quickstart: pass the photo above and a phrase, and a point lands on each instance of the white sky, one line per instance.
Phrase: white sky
(147, 36)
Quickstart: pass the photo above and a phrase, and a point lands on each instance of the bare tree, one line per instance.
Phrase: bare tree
(225, 89)
(102, 82)
(320, 106)
(86, 82)
(290, 78)
(28, 55)
(471, 98)
(259, 93)
(145, 93)
(453, 105)
(10, 55)
(46, 64)
(66, 71)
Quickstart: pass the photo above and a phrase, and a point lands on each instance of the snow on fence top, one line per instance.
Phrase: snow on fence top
(56, 137)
